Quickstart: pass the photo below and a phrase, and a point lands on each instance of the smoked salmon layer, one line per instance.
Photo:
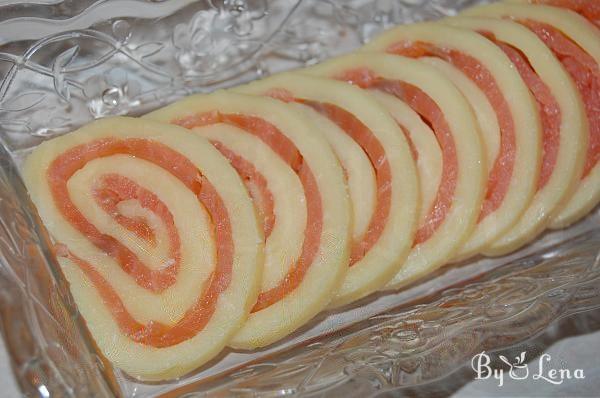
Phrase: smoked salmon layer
(299, 193)
(443, 134)
(157, 237)
(513, 142)
(564, 127)
(589, 9)
(575, 42)
(380, 170)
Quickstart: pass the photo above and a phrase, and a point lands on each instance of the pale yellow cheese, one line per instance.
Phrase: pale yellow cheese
(587, 37)
(197, 245)
(482, 108)
(527, 126)
(284, 244)
(359, 173)
(429, 154)
(326, 272)
(572, 143)
(462, 214)
(389, 252)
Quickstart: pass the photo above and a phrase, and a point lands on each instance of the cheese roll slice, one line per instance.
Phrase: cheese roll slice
(157, 237)
(576, 43)
(564, 127)
(514, 172)
(308, 244)
(437, 120)
(382, 248)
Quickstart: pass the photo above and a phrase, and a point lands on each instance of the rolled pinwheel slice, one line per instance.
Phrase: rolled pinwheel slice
(514, 172)
(564, 127)
(296, 183)
(416, 95)
(589, 9)
(376, 256)
(576, 43)
(157, 237)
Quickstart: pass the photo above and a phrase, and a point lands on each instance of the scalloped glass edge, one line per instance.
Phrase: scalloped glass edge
(103, 60)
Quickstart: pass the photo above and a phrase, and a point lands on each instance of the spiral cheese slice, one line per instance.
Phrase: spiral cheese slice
(514, 173)
(564, 127)
(482, 107)
(589, 9)
(416, 94)
(425, 149)
(157, 237)
(378, 254)
(576, 43)
(307, 245)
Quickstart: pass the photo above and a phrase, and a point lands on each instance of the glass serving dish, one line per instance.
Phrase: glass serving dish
(64, 63)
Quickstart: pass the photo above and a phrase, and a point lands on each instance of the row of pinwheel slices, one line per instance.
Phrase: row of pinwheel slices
(233, 218)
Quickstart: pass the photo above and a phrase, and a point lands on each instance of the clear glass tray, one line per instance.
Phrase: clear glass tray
(63, 63)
